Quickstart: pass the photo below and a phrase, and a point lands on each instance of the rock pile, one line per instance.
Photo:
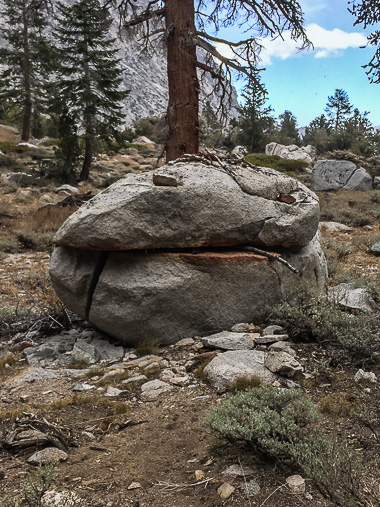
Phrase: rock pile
(292, 152)
(160, 255)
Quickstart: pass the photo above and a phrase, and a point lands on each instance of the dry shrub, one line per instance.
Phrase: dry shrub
(337, 404)
(48, 219)
(147, 347)
(245, 382)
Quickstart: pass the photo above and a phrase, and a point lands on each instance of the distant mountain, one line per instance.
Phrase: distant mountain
(145, 77)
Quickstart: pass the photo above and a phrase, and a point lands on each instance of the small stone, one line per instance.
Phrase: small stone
(164, 180)
(186, 342)
(199, 475)
(251, 488)
(153, 389)
(179, 381)
(113, 392)
(271, 338)
(66, 188)
(236, 470)
(48, 455)
(137, 380)
(365, 376)
(282, 346)
(228, 341)
(83, 387)
(283, 364)
(273, 329)
(151, 369)
(296, 484)
(243, 327)
(375, 248)
(225, 490)
(134, 485)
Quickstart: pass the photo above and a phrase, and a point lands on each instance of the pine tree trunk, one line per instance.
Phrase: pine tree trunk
(182, 114)
(28, 104)
(88, 154)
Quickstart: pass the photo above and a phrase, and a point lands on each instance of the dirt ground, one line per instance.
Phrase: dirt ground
(149, 454)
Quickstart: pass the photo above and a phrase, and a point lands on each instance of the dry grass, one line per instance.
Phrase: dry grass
(350, 207)
(7, 361)
(245, 382)
(340, 404)
(114, 379)
(47, 219)
(147, 347)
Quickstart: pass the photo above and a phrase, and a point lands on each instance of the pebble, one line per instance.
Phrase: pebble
(48, 455)
(225, 490)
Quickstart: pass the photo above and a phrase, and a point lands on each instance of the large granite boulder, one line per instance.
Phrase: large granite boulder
(291, 152)
(191, 204)
(129, 260)
(336, 174)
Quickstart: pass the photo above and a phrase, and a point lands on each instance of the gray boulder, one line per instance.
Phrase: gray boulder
(224, 369)
(291, 152)
(347, 296)
(228, 341)
(336, 174)
(168, 295)
(209, 207)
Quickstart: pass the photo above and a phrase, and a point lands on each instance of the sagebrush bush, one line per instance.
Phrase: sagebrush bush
(310, 318)
(270, 420)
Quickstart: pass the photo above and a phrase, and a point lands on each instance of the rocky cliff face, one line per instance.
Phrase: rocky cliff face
(145, 76)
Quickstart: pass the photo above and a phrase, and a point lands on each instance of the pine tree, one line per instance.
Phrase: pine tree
(25, 56)
(256, 119)
(288, 128)
(338, 108)
(89, 74)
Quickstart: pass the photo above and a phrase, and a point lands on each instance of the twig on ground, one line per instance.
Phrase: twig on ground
(173, 486)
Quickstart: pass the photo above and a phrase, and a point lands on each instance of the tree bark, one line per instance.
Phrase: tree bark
(87, 162)
(183, 106)
(28, 103)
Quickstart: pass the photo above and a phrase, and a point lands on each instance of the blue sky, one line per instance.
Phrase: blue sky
(302, 82)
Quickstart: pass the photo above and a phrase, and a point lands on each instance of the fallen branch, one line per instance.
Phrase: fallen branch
(270, 256)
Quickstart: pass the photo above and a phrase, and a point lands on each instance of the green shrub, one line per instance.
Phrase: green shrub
(51, 142)
(310, 318)
(9, 147)
(330, 462)
(270, 420)
(276, 162)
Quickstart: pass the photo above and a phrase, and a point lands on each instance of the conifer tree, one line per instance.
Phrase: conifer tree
(25, 57)
(256, 119)
(89, 74)
(288, 128)
(338, 108)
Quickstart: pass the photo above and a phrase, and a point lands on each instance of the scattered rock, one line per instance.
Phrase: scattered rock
(83, 387)
(334, 227)
(296, 484)
(292, 152)
(113, 392)
(137, 380)
(283, 364)
(34, 374)
(225, 490)
(153, 389)
(243, 327)
(199, 475)
(365, 376)
(347, 296)
(84, 351)
(271, 338)
(227, 367)
(134, 485)
(66, 188)
(251, 488)
(375, 248)
(228, 341)
(273, 329)
(47, 455)
(236, 470)
(282, 346)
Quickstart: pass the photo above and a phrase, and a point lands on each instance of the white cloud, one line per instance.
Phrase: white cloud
(327, 43)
